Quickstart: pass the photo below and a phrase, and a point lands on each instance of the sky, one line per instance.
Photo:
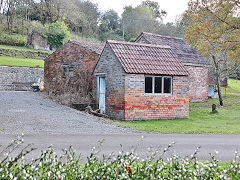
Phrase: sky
(173, 7)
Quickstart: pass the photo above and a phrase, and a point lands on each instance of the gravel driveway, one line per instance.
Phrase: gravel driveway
(33, 113)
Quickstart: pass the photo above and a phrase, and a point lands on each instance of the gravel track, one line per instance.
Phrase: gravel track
(33, 113)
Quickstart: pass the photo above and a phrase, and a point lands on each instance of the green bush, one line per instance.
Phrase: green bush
(13, 39)
(124, 165)
(57, 33)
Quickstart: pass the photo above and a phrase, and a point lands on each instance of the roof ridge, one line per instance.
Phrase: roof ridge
(161, 35)
(138, 44)
(75, 41)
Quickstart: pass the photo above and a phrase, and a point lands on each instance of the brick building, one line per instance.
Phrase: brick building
(68, 72)
(141, 81)
(197, 65)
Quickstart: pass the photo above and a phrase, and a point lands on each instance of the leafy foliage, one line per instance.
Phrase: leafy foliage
(214, 29)
(57, 33)
(84, 19)
(213, 26)
(12, 39)
(124, 165)
(155, 8)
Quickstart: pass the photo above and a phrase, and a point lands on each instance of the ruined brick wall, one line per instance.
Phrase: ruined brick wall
(142, 106)
(111, 68)
(76, 89)
(198, 83)
(36, 41)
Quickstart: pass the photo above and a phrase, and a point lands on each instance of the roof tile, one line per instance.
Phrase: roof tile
(147, 58)
(184, 51)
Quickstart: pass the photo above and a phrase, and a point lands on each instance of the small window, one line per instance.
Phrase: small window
(67, 70)
(64, 71)
(167, 84)
(148, 84)
(158, 84)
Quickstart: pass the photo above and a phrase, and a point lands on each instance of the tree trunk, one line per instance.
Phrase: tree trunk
(218, 81)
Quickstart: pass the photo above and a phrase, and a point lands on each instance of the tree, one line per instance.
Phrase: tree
(109, 21)
(175, 29)
(145, 17)
(57, 33)
(155, 7)
(213, 27)
(136, 20)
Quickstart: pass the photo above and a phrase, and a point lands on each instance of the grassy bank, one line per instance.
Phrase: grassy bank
(23, 48)
(22, 62)
(226, 121)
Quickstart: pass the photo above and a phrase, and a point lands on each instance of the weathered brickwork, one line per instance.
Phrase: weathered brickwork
(198, 83)
(109, 67)
(140, 105)
(76, 88)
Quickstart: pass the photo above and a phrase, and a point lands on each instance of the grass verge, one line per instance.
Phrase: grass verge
(21, 62)
(226, 121)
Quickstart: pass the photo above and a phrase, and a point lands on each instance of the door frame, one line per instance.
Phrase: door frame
(99, 78)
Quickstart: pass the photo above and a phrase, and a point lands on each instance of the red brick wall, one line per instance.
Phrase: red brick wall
(198, 83)
(141, 106)
(69, 90)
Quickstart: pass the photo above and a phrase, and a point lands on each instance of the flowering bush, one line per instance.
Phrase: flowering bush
(124, 165)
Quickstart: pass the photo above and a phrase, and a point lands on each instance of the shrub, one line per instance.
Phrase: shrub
(124, 165)
(57, 33)
(13, 39)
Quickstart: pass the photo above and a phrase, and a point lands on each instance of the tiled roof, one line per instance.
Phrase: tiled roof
(184, 51)
(147, 59)
(95, 47)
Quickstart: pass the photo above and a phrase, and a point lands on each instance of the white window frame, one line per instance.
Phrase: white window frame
(153, 84)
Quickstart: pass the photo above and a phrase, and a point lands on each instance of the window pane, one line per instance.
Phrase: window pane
(158, 85)
(148, 84)
(71, 71)
(65, 71)
(167, 85)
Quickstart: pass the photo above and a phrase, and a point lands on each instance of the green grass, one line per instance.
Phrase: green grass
(226, 121)
(23, 62)
(22, 48)
(233, 87)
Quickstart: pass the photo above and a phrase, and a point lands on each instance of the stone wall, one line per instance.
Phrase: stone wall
(198, 83)
(78, 87)
(111, 68)
(142, 106)
(24, 54)
(19, 78)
